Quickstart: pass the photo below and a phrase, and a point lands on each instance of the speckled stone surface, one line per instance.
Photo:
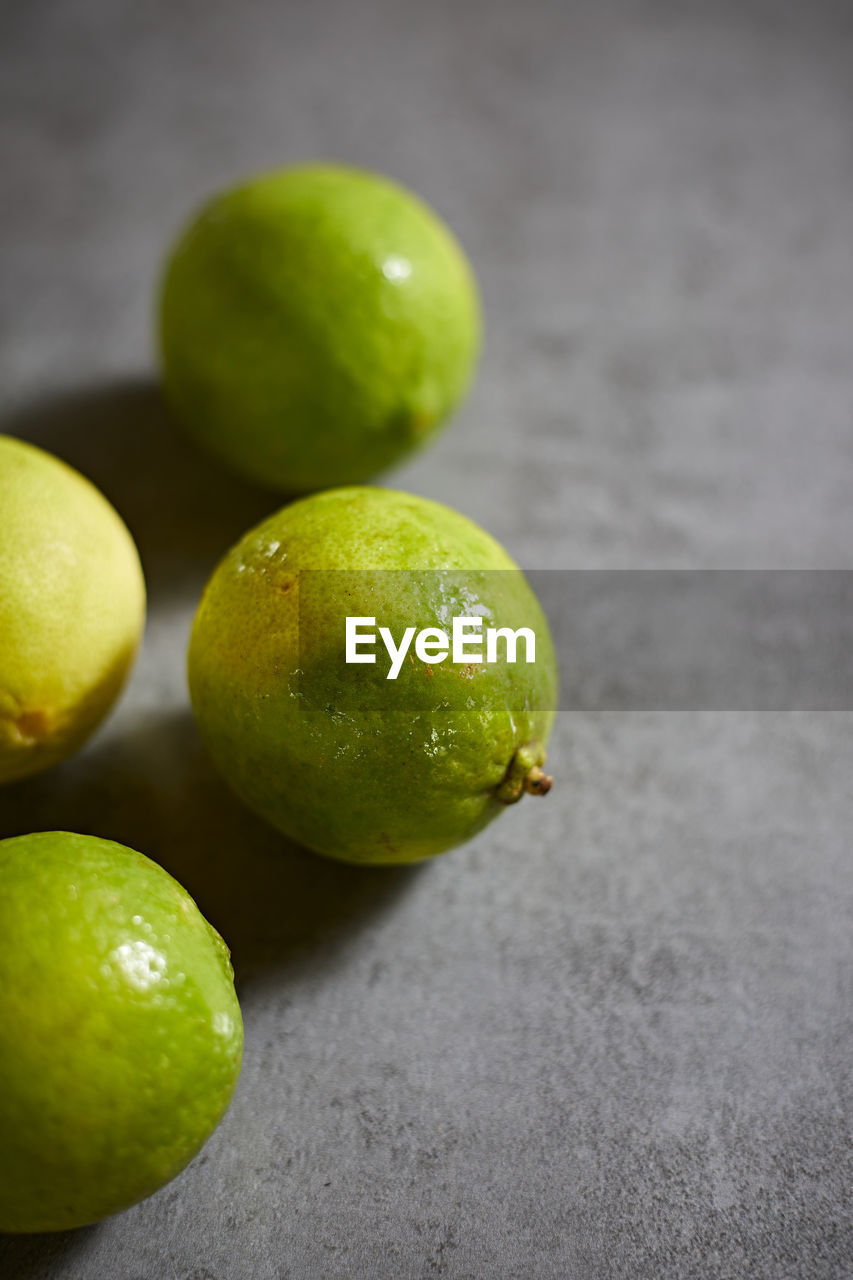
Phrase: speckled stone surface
(612, 1036)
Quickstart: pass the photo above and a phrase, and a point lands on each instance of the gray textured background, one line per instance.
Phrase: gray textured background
(611, 1037)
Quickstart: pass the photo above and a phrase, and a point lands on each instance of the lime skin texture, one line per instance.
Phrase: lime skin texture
(120, 1031)
(338, 757)
(316, 324)
(72, 608)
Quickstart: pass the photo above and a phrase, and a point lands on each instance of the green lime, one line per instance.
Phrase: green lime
(72, 607)
(358, 760)
(316, 324)
(120, 1031)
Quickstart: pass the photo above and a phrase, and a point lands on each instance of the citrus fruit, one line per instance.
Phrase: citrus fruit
(120, 1031)
(316, 324)
(72, 607)
(384, 761)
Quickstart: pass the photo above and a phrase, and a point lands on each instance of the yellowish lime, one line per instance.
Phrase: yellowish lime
(72, 607)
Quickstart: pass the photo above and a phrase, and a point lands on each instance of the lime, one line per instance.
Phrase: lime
(120, 1031)
(316, 324)
(353, 759)
(72, 606)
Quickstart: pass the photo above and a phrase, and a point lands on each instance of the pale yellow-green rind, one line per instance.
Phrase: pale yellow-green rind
(339, 758)
(120, 1032)
(316, 324)
(72, 608)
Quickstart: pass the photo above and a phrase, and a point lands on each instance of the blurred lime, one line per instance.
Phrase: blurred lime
(72, 606)
(316, 325)
(120, 1031)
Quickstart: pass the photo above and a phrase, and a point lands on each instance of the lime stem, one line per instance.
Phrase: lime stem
(537, 782)
(524, 774)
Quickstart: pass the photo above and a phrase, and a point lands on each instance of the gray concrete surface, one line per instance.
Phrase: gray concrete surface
(612, 1036)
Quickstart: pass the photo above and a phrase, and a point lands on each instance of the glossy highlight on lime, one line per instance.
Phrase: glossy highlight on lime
(316, 324)
(120, 1032)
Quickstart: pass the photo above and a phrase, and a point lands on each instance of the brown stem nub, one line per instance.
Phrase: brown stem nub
(537, 782)
(524, 775)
